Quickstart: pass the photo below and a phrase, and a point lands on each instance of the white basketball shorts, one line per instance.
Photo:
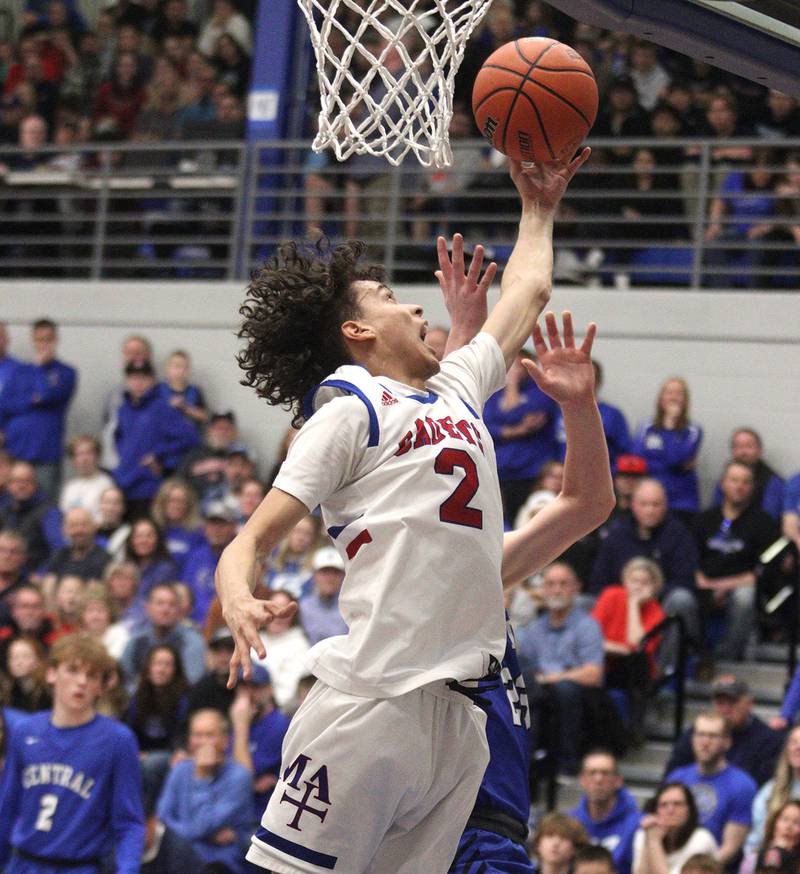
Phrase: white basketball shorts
(374, 785)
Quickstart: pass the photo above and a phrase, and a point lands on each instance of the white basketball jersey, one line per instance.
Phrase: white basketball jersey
(409, 493)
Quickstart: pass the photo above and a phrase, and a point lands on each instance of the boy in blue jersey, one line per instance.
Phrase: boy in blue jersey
(72, 789)
(494, 840)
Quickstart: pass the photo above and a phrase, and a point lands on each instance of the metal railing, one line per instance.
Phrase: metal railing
(216, 209)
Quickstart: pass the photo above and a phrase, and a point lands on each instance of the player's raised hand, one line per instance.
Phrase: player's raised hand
(544, 185)
(465, 293)
(245, 616)
(564, 371)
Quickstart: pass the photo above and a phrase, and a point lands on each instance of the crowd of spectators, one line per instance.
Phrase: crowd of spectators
(645, 196)
(148, 72)
(141, 74)
(116, 535)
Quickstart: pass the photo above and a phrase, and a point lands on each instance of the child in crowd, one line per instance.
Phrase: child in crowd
(701, 863)
(556, 841)
(98, 617)
(780, 851)
(25, 662)
(113, 530)
(68, 597)
(593, 859)
(86, 487)
(179, 392)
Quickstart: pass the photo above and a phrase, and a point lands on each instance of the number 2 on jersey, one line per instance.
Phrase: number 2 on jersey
(47, 808)
(455, 509)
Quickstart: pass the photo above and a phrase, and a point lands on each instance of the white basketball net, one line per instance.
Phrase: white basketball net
(386, 85)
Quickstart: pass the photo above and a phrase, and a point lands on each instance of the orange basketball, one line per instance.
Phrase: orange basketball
(535, 99)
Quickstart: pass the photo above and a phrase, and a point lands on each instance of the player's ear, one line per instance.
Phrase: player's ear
(357, 332)
(50, 675)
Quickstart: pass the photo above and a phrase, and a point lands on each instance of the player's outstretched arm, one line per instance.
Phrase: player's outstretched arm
(565, 373)
(237, 575)
(525, 287)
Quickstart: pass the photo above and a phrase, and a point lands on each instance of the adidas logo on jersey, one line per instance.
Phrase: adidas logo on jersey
(387, 400)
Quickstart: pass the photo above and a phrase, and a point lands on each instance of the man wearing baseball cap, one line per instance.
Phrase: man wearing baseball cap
(219, 528)
(150, 436)
(319, 609)
(755, 747)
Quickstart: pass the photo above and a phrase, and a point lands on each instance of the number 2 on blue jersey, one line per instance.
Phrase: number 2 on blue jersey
(455, 509)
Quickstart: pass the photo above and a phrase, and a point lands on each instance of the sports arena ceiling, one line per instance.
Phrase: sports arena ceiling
(759, 39)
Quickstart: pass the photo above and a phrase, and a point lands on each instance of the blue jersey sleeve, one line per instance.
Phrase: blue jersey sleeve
(10, 789)
(127, 811)
(772, 502)
(791, 495)
(791, 702)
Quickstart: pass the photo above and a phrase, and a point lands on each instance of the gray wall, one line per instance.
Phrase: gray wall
(738, 351)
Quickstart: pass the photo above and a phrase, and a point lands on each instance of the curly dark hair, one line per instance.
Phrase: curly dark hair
(293, 311)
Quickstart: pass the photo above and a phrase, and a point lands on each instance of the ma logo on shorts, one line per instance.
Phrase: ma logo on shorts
(314, 787)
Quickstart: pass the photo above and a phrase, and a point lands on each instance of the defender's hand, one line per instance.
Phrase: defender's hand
(563, 372)
(464, 293)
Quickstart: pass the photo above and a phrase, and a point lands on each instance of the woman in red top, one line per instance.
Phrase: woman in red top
(625, 614)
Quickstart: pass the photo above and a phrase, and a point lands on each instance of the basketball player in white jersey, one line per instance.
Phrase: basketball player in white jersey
(382, 762)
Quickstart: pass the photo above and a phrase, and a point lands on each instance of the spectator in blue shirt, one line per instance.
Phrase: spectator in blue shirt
(33, 408)
(724, 793)
(791, 510)
(755, 746)
(319, 609)
(198, 569)
(669, 443)
(151, 436)
(521, 420)
(748, 200)
(258, 729)
(746, 446)
(615, 425)
(562, 654)
(208, 799)
(163, 626)
(607, 811)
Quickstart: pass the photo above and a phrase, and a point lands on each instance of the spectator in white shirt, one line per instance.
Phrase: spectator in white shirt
(84, 489)
(226, 19)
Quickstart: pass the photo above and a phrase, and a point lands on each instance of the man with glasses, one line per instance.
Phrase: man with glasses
(755, 746)
(607, 810)
(723, 793)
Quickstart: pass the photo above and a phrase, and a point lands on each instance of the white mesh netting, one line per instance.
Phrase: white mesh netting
(386, 70)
